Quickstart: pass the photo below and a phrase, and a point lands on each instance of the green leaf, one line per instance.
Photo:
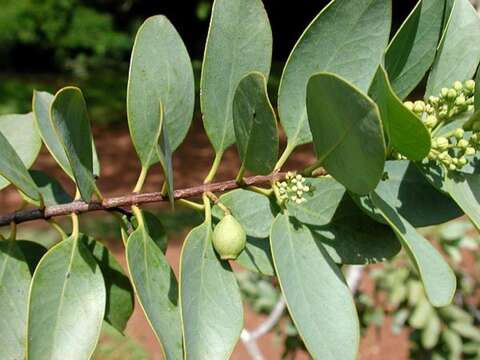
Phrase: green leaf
(160, 70)
(32, 252)
(155, 229)
(26, 143)
(322, 201)
(157, 290)
(459, 51)
(412, 196)
(50, 189)
(316, 293)
(412, 50)
(239, 41)
(41, 103)
(465, 191)
(431, 332)
(211, 305)
(453, 342)
(257, 256)
(347, 132)
(421, 314)
(255, 125)
(14, 284)
(119, 291)
(69, 116)
(468, 331)
(405, 131)
(353, 238)
(477, 92)
(66, 304)
(253, 211)
(438, 279)
(164, 153)
(14, 170)
(347, 38)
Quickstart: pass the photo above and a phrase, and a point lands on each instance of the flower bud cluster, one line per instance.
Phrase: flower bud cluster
(450, 102)
(293, 188)
(453, 149)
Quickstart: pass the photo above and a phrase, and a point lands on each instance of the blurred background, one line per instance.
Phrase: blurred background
(47, 44)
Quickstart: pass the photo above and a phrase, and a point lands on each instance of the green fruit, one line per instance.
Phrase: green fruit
(229, 238)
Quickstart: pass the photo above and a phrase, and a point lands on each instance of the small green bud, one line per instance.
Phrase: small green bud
(419, 106)
(470, 85)
(462, 161)
(462, 143)
(460, 101)
(442, 143)
(442, 156)
(457, 85)
(459, 133)
(452, 167)
(432, 155)
(229, 238)
(470, 151)
(433, 100)
(444, 92)
(431, 121)
(474, 138)
(451, 94)
(408, 105)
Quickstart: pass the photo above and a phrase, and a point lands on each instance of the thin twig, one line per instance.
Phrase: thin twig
(126, 201)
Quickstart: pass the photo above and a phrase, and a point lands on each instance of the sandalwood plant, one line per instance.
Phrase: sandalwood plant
(385, 166)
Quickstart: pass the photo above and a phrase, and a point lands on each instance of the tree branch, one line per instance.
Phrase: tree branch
(121, 202)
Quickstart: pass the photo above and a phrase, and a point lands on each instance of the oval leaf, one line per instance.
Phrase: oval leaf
(119, 291)
(438, 278)
(257, 256)
(160, 68)
(253, 211)
(316, 293)
(66, 304)
(353, 238)
(347, 38)
(347, 132)
(412, 50)
(14, 170)
(50, 189)
(239, 42)
(322, 201)
(157, 290)
(41, 103)
(405, 131)
(465, 191)
(32, 252)
(69, 116)
(155, 229)
(412, 196)
(14, 284)
(255, 125)
(211, 305)
(26, 143)
(459, 51)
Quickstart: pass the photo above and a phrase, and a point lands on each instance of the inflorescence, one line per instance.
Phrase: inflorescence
(455, 148)
(293, 188)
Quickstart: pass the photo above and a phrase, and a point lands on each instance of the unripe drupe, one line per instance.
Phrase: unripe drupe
(229, 238)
